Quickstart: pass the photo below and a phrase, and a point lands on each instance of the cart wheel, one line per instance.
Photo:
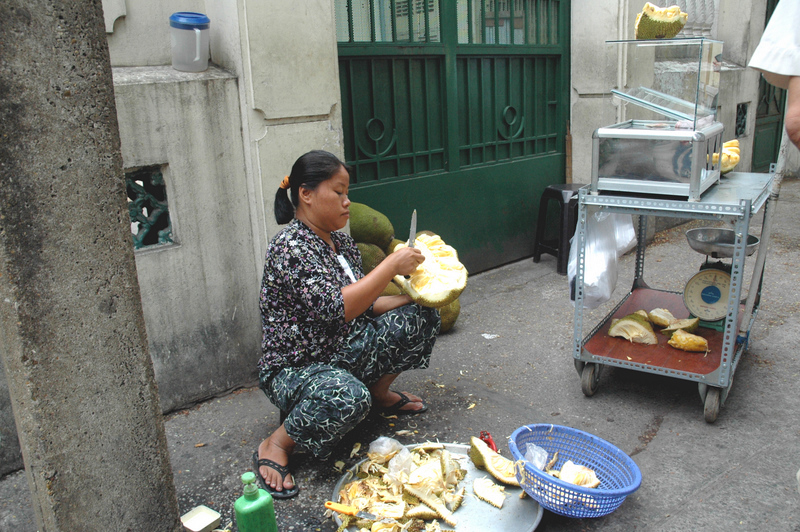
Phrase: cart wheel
(578, 366)
(590, 376)
(711, 410)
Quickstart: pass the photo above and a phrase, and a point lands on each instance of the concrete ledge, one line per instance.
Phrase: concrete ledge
(147, 75)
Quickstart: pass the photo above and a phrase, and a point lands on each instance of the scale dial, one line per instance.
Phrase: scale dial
(706, 294)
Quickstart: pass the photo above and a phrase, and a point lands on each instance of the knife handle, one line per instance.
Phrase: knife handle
(341, 508)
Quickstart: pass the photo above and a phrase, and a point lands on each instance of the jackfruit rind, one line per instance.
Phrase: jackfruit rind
(440, 279)
(659, 22)
(449, 314)
(370, 226)
(688, 324)
(500, 467)
(371, 256)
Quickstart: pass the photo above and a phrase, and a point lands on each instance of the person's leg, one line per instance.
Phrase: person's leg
(383, 397)
(323, 404)
(397, 341)
(792, 120)
(277, 448)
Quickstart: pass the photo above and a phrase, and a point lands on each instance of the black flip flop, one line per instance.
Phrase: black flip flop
(397, 408)
(282, 470)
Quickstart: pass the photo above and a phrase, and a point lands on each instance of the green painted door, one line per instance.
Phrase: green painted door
(769, 118)
(456, 108)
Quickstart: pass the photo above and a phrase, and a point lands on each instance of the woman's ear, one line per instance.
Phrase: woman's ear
(305, 195)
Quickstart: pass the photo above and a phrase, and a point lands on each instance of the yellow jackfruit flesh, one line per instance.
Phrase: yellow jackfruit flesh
(659, 22)
(440, 279)
(730, 156)
(633, 327)
(688, 341)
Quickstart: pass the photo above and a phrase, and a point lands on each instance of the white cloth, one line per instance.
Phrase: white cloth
(777, 56)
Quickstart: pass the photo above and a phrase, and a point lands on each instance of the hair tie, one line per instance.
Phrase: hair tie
(285, 183)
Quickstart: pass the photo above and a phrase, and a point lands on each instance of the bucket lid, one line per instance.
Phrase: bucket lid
(187, 20)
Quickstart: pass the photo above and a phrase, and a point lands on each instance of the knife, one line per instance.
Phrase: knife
(349, 510)
(413, 236)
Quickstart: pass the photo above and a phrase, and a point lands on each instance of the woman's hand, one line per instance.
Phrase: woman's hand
(406, 260)
(361, 294)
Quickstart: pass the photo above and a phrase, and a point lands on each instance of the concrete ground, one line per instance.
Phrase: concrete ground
(508, 363)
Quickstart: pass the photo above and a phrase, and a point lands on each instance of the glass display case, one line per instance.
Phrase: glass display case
(666, 132)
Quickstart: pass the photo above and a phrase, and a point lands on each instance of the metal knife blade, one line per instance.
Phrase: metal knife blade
(413, 233)
(349, 510)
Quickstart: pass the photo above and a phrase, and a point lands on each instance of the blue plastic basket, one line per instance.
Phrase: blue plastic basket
(619, 475)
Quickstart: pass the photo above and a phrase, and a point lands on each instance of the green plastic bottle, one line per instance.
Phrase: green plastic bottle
(255, 511)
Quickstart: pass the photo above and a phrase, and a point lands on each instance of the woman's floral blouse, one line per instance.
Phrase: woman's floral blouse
(302, 308)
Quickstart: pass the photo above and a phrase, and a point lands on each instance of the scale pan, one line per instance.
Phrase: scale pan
(717, 242)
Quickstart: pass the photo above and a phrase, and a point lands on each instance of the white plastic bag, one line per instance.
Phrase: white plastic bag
(600, 260)
(536, 455)
(625, 233)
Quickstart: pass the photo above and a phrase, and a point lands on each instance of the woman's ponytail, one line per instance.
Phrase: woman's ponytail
(284, 210)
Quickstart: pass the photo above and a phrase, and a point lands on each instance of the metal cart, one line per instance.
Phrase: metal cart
(736, 198)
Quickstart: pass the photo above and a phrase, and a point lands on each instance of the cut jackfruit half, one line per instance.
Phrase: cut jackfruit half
(659, 22)
(730, 156)
(440, 279)
(500, 467)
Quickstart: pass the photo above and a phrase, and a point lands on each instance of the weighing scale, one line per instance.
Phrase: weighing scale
(706, 293)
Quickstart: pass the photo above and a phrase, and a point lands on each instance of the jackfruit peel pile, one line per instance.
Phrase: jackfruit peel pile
(638, 328)
(659, 22)
(440, 279)
(730, 156)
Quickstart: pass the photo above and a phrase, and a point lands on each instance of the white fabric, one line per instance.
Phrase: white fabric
(777, 56)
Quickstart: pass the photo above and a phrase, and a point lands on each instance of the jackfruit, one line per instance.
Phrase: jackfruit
(730, 156)
(449, 314)
(661, 317)
(578, 475)
(370, 226)
(391, 290)
(440, 279)
(371, 256)
(500, 467)
(392, 244)
(659, 22)
(688, 342)
(488, 491)
(688, 325)
(633, 327)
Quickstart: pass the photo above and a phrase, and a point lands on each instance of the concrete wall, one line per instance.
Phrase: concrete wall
(226, 137)
(200, 294)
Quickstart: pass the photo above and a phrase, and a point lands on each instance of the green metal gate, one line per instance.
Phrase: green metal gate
(457, 108)
(769, 118)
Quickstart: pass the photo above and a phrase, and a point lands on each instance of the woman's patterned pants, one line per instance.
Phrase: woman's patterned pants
(325, 401)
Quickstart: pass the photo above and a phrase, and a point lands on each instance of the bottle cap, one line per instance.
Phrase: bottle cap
(249, 481)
